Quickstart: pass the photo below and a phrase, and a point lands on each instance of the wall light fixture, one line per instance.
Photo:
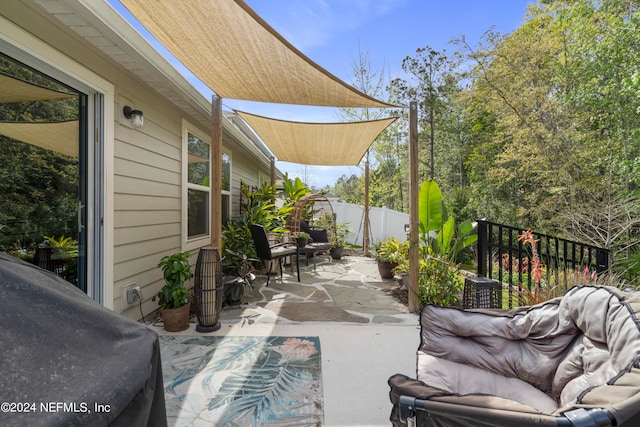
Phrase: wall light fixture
(136, 116)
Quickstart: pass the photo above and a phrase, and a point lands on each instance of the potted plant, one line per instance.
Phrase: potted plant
(301, 238)
(339, 240)
(172, 297)
(402, 269)
(388, 254)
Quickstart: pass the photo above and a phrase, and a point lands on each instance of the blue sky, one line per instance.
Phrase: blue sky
(332, 32)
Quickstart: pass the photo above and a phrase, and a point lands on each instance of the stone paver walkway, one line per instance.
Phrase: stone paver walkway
(347, 290)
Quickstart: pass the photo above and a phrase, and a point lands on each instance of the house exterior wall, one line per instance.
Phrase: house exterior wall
(144, 186)
(246, 171)
(147, 194)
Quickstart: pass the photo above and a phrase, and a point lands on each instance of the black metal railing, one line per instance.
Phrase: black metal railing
(503, 257)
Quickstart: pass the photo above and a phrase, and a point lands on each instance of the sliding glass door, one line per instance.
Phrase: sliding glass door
(44, 171)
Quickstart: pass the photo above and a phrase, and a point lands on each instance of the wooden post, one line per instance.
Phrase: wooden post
(414, 303)
(216, 172)
(273, 170)
(365, 239)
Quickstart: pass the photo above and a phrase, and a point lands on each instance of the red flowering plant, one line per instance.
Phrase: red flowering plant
(515, 264)
(589, 276)
(583, 276)
(539, 293)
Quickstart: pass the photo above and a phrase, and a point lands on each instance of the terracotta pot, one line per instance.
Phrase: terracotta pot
(176, 319)
(386, 269)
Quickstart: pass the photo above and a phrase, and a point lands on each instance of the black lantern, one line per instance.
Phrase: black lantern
(208, 290)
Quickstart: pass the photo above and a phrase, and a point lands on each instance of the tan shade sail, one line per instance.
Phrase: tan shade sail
(16, 90)
(61, 137)
(238, 55)
(327, 144)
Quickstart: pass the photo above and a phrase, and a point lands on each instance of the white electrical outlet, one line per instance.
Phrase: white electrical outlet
(129, 295)
(133, 295)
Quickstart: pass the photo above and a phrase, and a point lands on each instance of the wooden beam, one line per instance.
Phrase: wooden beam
(414, 303)
(216, 172)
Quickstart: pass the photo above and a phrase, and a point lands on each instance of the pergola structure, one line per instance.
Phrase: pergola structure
(238, 55)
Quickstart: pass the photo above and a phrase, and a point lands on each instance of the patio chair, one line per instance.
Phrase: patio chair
(319, 242)
(269, 252)
(572, 361)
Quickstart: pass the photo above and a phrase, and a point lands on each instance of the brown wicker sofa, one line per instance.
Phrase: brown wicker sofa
(572, 361)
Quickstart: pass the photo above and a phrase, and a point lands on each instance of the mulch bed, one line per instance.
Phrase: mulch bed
(353, 252)
(400, 295)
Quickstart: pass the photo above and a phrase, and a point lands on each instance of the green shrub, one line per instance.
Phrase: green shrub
(439, 282)
(388, 250)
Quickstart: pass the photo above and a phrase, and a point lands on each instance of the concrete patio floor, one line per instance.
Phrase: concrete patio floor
(365, 334)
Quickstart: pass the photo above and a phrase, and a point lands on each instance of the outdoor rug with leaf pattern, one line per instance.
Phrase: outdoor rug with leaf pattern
(242, 381)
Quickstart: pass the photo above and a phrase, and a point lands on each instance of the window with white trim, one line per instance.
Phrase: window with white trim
(198, 174)
(226, 187)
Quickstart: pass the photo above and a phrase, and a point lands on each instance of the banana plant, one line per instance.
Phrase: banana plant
(439, 231)
(451, 239)
(431, 209)
(259, 207)
(294, 189)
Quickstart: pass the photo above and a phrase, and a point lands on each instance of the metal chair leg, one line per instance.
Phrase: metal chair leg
(269, 273)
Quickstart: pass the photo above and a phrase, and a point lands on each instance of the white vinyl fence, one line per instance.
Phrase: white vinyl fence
(384, 223)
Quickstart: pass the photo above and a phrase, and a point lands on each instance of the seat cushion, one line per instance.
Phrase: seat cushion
(316, 234)
(466, 380)
(316, 247)
(319, 235)
(280, 251)
(581, 349)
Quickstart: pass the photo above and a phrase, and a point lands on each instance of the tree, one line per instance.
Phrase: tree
(433, 79)
(531, 138)
(601, 51)
(552, 110)
(350, 189)
(385, 149)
